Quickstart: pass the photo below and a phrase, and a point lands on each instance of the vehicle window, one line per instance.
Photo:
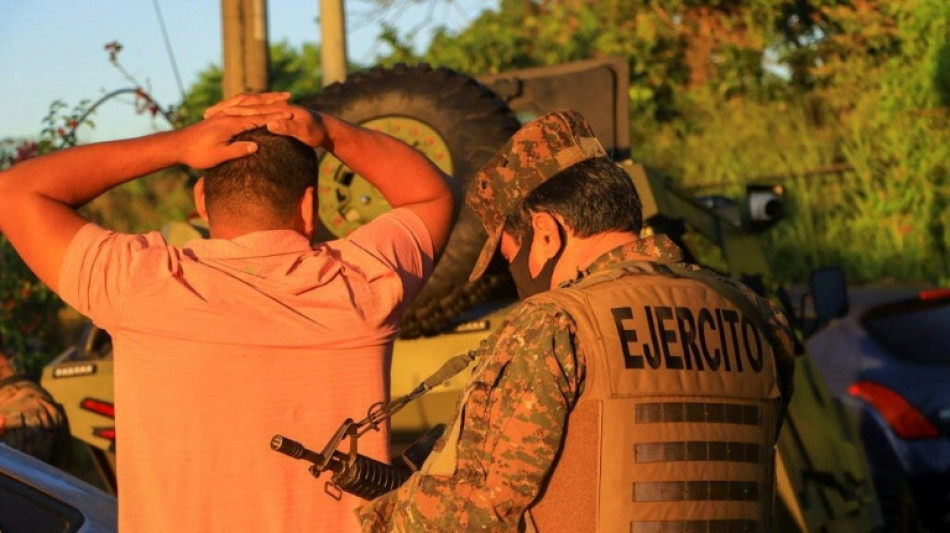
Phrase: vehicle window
(917, 331)
(26, 508)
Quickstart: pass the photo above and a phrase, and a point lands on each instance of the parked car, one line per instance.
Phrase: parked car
(36, 497)
(889, 351)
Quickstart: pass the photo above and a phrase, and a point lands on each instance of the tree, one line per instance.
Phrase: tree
(884, 81)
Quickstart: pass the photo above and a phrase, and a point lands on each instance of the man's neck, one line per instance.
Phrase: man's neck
(233, 228)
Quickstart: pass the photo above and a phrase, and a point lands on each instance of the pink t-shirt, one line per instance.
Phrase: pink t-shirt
(220, 345)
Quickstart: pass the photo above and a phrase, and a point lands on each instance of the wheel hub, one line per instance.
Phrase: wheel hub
(346, 201)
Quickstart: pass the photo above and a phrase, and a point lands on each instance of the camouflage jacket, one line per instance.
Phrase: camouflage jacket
(31, 421)
(529, 375)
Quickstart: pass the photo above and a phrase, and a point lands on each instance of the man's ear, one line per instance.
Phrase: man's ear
(307, 212)
(547, 237)
(199, 194)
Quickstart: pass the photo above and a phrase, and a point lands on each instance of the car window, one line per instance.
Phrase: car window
(917, 331)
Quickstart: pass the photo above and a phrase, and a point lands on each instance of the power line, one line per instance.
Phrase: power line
(168, 48)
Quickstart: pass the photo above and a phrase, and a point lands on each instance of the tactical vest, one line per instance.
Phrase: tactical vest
(675, 428)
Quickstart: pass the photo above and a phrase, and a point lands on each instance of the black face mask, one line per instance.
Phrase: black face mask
(524, 282)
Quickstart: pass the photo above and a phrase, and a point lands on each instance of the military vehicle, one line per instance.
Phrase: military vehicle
(459, 122)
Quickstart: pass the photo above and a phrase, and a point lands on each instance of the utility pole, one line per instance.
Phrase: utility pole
(246, 54)
(333, 38)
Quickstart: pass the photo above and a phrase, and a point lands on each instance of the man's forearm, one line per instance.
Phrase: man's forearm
(383, 161)
(404, 176)
(77, 175)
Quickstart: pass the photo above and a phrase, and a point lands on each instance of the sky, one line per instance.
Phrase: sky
(54, 50)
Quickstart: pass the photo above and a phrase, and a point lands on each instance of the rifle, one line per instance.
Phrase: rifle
(358, 474)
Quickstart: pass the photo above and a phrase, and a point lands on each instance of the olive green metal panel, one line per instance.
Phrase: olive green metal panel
(660, 198)
(597, 88)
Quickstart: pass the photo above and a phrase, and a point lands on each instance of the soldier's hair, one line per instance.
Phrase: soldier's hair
(275, 177)
(593, 196)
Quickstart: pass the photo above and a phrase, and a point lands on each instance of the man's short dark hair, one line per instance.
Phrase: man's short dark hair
(275, 177)
(593, 196)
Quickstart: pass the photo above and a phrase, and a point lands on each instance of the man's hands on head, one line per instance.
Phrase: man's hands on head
(208, 143)
(279, 115)
(382, 160)
(41, 195)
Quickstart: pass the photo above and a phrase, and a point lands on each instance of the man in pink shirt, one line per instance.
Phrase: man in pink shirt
(222, 343)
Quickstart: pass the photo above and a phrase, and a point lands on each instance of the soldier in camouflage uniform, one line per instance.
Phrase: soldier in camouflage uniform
(495, 465)
(30, 420)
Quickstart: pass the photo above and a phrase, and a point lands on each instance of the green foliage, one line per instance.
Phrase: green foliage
(400, 49)
(894, 128)
(29, 319)
(145, 204)
(201, 95)
(295, 70)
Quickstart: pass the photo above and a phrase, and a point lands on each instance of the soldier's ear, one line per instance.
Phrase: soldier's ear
(548, 238)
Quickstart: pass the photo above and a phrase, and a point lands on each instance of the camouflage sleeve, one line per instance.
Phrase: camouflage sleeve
(512, 421)
(785, 361)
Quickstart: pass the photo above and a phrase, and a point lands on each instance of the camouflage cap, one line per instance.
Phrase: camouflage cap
(535, 153)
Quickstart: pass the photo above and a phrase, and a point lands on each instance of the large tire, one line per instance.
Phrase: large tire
(456, 122)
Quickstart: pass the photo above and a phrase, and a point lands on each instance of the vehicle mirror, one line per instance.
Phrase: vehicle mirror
(829, 295)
